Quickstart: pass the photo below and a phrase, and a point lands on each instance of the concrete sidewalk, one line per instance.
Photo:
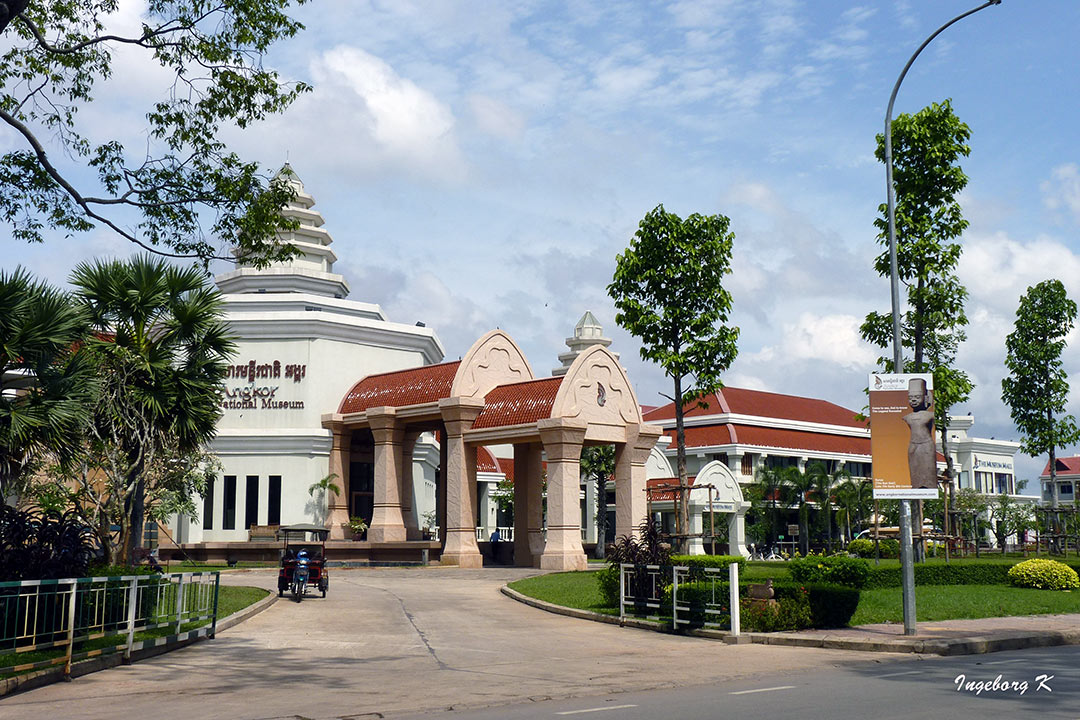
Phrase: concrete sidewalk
(947, 637)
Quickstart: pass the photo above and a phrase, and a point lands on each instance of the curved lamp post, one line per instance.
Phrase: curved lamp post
(906, 564)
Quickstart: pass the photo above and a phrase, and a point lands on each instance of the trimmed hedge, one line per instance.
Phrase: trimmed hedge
(960, 573)
(887, 548)
(708, 561)
(831, 605)
(799, 605)
(1044, 574)
(836, 569)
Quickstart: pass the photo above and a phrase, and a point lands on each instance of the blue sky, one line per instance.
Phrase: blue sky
(481, 165)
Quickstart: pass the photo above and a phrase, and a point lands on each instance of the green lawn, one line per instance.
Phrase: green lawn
(948, 602)
(230, 600)
(933, 602)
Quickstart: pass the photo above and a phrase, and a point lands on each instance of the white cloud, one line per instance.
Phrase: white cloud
(496, 118)
(830, 338)
(1062, 190)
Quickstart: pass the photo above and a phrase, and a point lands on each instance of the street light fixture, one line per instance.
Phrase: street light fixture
(906, 560)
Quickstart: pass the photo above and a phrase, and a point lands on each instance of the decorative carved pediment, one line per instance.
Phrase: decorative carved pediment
(495, 359)
(596, 390)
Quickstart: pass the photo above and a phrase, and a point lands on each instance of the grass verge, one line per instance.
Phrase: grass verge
(933, 602)
(950, 602)
(230, 600)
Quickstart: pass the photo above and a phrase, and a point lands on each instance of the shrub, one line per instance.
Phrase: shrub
(37, 545)
(708, 561)
(790, 612)
(864, 548)
(838, 569)
(608, 580)
(1044, 574)
(958, 573)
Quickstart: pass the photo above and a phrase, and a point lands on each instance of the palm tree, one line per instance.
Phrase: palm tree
(768, 486)
(825, 484)
(853, 498)
(799, 486)
(46, 382)
(161, 330)
(597, 466)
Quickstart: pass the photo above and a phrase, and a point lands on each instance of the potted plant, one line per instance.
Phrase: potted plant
(429, 518)
(358, 526)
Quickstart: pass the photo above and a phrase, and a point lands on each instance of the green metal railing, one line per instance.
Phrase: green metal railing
(88, 617)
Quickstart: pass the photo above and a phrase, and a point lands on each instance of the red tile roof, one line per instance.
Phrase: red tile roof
(518, 403)
(485, 461)
(1065, 466)
(506, 466)
(401, 388)
(653, 487)
(762, 404)
(728, 433)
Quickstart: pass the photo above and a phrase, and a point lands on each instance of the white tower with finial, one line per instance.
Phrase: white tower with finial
(587, 332)
(310, 271)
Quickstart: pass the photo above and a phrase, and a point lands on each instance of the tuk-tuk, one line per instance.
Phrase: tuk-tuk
(303, 560)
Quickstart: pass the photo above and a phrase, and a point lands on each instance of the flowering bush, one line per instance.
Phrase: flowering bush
(1044, 574)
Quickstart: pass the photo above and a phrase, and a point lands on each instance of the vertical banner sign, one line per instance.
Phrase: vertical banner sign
(903, 450)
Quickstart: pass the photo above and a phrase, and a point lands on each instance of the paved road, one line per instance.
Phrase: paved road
(1042, 683)
(396, 641)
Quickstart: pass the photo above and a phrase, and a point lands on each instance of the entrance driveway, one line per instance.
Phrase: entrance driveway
(397, 640)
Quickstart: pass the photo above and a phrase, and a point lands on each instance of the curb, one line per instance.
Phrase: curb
(971, 645)
(48, 676)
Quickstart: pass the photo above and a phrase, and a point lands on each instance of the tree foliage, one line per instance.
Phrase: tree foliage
(668, 290)
(46, 382)
(1037, 386)
(161, 348)
(181, 191)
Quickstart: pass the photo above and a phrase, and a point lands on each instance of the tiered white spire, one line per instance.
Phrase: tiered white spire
(587, 332)
(311, 271)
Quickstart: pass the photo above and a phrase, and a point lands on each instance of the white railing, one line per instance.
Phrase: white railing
(696, 596)
(105, 612)
(506, 534)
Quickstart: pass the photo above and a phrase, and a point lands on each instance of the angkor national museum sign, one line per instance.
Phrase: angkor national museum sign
(256, 393)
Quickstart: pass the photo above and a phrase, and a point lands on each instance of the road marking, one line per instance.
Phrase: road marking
(596, 709)
(906, 672)
(748, 692)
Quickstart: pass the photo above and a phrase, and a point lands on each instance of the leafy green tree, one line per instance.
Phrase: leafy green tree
(162, 347)
(927, 177)
(1008, 517)
(853, 499)
(46, 383)
(157, 195)
(1037, 387)
(668, 290)
(598, 466)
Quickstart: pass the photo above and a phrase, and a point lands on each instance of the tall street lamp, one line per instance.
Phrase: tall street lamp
(906, 561)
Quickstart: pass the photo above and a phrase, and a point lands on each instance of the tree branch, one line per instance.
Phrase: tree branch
(82, 202)
(141, 41)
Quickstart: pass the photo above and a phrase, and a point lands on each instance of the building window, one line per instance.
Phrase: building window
(228, 514)
(1065, 488)
(208, 506)
(747, 465)
(251, 501)
(984, 482)
(1002, 480)
(273, 502)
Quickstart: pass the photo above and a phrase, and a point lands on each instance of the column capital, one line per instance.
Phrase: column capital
(459, 413)
(385, 426)
(641, 440)
(562, 438)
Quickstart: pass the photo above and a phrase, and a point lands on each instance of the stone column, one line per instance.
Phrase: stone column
(562, 442)
(387, 523)
(409, 509)
(630, 459)
(737, 532)
(459, 474)
(338, 505)
(528, 505)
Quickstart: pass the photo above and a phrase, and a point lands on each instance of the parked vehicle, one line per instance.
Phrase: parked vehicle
(303, 560)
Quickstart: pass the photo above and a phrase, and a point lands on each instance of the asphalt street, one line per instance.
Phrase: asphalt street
(397, 641)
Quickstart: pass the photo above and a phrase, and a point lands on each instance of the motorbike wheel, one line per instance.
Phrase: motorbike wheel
(298, 591)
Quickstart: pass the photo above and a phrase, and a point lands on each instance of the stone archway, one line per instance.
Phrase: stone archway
(727, 499)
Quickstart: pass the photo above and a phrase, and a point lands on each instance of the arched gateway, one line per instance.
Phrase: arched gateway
(491, 397)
